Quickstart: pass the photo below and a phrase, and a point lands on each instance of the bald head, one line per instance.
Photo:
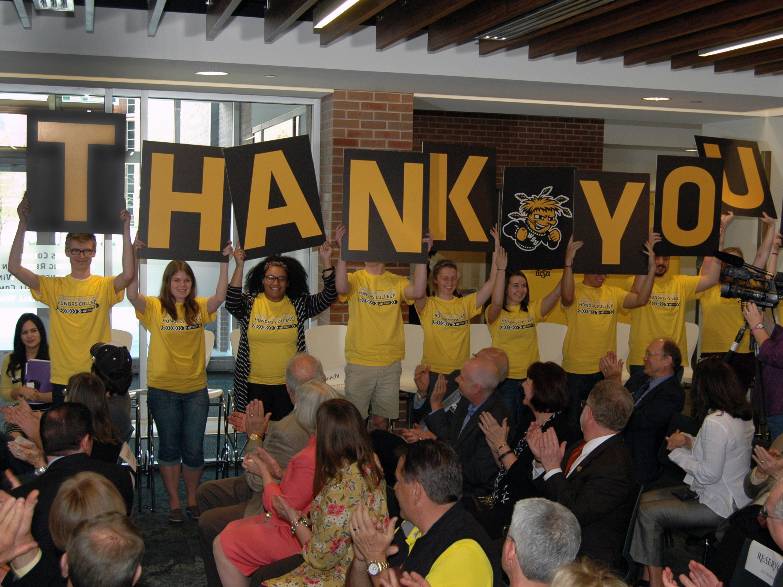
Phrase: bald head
(301, 368)
(498, 357)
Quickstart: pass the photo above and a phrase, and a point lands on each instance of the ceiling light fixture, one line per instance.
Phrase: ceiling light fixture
(270, 75)
(760, 40)
(656, 99)
(214, 73)
(331, 10)
(550, 14)
(691, 150)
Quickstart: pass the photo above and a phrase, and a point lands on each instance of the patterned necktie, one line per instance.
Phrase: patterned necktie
(575, 454)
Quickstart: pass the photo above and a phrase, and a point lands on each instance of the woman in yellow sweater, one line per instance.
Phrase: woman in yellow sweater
(29, 343)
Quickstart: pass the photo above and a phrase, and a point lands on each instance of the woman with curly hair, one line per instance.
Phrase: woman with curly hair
(271, 313)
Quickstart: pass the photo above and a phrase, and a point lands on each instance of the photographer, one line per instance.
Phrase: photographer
(771, 358)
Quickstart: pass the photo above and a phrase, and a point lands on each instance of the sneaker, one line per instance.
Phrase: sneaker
(176, 516)
(193, 512)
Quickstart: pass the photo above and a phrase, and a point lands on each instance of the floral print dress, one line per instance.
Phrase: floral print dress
(328, 555)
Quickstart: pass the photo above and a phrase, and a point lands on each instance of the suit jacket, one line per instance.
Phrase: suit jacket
(601, 493)
(478, 467)
(646, 430)
(47, 571)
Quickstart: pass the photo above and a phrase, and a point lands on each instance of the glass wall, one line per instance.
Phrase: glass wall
(181, 118)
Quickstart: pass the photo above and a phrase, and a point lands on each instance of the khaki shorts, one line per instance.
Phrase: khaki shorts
(378, 387)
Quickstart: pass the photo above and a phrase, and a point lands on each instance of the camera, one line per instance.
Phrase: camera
(749, 283)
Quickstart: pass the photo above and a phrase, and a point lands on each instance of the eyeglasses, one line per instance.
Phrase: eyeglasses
(275, 278)
(82, 252)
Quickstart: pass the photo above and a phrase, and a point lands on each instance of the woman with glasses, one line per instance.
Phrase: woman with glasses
(271, 313)
(177, 375)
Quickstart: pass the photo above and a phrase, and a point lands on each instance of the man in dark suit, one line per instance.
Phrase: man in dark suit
(594, 479)
(477, 383)
(66, 438)
(657, 396)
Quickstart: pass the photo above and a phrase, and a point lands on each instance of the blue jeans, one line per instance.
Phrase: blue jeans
(181, 419)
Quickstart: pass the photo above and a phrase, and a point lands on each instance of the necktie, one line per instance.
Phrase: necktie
(643, 388)
(575, 454)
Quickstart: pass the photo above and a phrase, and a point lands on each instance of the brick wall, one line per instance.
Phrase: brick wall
(358, 120)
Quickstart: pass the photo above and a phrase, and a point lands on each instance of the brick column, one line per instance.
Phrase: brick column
(361, 120)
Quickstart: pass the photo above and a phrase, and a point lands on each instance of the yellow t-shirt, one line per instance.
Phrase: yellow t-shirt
(80, 317)
(446, 327)
(176, 357)
(374, 337)
(721, 319)
(6, 381)
(462, 563)
(271, 337)
(663, 316)
(592, 326)
(514, 331)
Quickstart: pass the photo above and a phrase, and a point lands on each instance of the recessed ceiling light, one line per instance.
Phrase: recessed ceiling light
(211, 73)
(270, 75)
(691, 150)
(656, 98)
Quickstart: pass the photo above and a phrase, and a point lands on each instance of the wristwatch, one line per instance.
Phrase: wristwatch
(758, 326)
(40, 470)
(375, 568)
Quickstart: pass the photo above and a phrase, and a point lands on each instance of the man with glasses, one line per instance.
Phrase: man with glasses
(657, 397)
(80, 302)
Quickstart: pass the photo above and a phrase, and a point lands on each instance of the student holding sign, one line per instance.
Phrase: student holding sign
(591, 309)
(271, 314)
(375, 343)
(176, 373)
(664, 314)
(80, 302)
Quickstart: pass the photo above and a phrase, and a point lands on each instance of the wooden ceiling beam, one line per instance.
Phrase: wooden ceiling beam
(749, 61)
(480, 17)
(281, 14)
(487, 46)
(729, 33)
(685, 24)
(24, 16)
(693, 59)
(348, 21)
(155, 10)
(403, 20)
(767, 68)
(628, 19)
(218, 14)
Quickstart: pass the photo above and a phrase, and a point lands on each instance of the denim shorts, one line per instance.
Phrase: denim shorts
(181, 419)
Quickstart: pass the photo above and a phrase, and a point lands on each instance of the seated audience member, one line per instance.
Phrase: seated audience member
(66, 435)
(224, 500)
(594, 479)
(585, 573)
(715, 462)
(445, 545)
(346, 475)
(29, 343)
(113, 365)
(770, 353)
(15, 538)
(247, 544)
(773, 513)
(105, 551)
(698, 576)
(768, 471)
(657, 396)
(543, 537)
(545, 395)
(460, 428)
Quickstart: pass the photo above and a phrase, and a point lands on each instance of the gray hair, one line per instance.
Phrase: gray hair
(611, 404)
(435, 465)
(546, 536)
(301, 368)
(309, 397)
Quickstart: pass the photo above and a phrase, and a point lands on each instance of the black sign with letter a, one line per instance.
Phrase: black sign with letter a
(76, 171)
(384, 206)
(185, 208)
(462, 196)
(612, 217)
(687, 205)
(275, 196)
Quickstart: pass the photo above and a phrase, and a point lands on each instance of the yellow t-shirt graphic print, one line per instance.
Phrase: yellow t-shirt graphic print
(514, 331)
(446, 326)
(271, 337)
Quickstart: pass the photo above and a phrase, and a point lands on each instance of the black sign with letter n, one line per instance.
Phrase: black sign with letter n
(275, 196)
(185, 208)
(612, 217)
(687, 205)
(384, 206)
(76, 171)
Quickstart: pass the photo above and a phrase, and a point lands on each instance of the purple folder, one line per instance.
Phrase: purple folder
(39, 372)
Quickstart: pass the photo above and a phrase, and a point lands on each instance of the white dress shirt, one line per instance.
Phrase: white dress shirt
(586, 450)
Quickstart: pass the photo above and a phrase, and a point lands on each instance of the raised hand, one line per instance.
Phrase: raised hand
(611, 366)
(551, 451)
(125, 216)
(649, 245)
(239, 254)
(769, 461)
(372, 538)
(438, 393)
(228, 250)
(571, 249)
(726, 218)
(23, 209)
(421, 377)
(495, 434)
(325, 253)
(428, 240)
(339, 234)
(237, 420)
(256, 421)
(501, 259)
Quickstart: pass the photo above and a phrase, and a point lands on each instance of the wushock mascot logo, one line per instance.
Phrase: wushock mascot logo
(535, 223)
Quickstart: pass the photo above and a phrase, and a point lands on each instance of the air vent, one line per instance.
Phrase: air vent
(56, 5)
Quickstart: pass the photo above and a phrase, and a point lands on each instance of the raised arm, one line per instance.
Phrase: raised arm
(23, 274)
(642, 285)
(341, 271)
(318, 302)
(550, 300)
(122, 280)
(417, 289)
(499, 287)
(709, 274)
(239, 266)
(137, 299)
(567, 281)
(499, 264)
(765, 248)
(217, 299)
(772, 261)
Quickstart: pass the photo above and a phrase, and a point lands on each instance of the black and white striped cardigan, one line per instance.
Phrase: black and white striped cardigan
(240, 304)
